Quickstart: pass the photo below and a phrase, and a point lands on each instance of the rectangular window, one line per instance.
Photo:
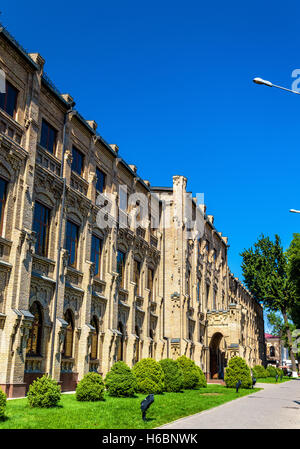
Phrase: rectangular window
(137, 275)
(207, 295)
(72, 242)
(215, 255)
(3, 189)
(96, 254)
(121, 267)
(8, 99)
(77, 161)
(48, 137)
(101, 178)
(123, 198)
(188, 283)
(150, 281)
(198, 290)
(207, 246)
(41, 222)
(214, 300)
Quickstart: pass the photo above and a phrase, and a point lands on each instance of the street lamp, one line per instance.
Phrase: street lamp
(269, 84)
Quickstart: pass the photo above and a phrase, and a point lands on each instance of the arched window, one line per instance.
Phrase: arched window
(34, 342)
(120, 353)
(68, 343)
(137, 344)
(272, 351)
(95, 336)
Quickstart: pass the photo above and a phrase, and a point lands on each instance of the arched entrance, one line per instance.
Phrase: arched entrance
(217, 356)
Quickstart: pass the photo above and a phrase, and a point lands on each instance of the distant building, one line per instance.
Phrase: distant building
(276, 353)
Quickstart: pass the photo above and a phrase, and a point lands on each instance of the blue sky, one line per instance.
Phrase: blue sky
(171, 83)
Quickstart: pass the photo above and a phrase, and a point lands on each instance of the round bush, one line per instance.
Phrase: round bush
(2, 404)
(191, 375)
(236, 370)
(259, 372)
(90, 388)
(173, 375)
(44, 392)
(120, 381)
(202, 380)
(271, 370)
(149, 375)
(280, 372)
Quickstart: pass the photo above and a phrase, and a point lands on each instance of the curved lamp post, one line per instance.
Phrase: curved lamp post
(269, 84)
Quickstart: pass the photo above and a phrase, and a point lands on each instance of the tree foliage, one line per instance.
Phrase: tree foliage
(267, 274)
(293, 254)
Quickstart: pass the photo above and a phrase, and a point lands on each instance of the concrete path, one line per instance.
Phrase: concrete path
(274, 407)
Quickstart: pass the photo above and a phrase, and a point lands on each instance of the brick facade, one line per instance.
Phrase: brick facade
(186, 301)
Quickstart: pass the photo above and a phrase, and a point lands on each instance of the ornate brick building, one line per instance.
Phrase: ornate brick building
(89, 271)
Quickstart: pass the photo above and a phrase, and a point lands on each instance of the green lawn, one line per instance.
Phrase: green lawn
(272, 380)
(117, 413)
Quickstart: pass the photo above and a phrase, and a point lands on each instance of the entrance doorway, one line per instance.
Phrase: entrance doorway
(216, 356)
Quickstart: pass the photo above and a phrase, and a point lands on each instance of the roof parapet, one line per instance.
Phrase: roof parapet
(211, 218)
(38, 59)
(92, 124)
(133, 167)
(114, 147)
(68, 98)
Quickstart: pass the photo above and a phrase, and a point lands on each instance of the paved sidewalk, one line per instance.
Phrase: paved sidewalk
(277, 406)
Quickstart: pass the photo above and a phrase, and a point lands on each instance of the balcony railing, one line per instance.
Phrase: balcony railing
(94, 366)
(153, 240)
(33, 364)
(48, 160)
(67, 365)
(5, 247)
(10, 128)
(78, 183)
(141, 232)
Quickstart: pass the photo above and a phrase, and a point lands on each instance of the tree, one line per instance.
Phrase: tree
(276, 323)
(267, 275)
(293, 254)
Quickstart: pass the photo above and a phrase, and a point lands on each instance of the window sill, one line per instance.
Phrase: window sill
(44, 259)
(34, 357)
(79, 177)
(74, 270)
(98, 280)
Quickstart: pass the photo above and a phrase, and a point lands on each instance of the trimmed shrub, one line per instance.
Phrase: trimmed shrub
(149, 375)
(202, 381)
(44, 392)
(271, 370)
(173, 375)
(191, 375)
(90, 388)
(120, 381)
(280, 372)
(2, 404)
(259, 372)
(236, 370)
